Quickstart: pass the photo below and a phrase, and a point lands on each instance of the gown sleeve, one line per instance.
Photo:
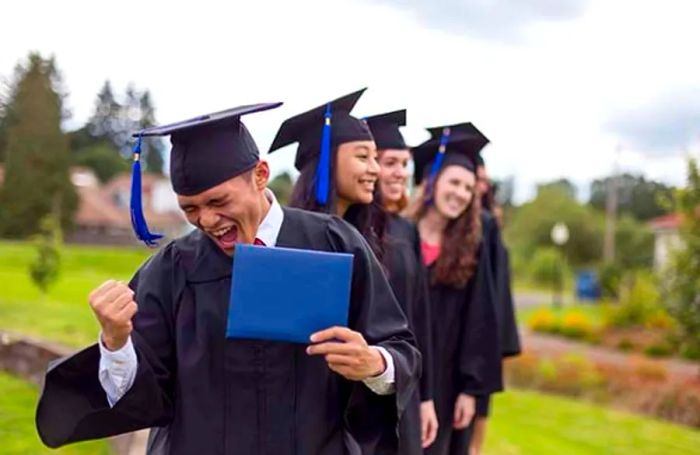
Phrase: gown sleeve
(480, 354)
(73, 405)
(373, 419)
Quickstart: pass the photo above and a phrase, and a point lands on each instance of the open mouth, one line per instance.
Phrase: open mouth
(225, 237)
(368, 184)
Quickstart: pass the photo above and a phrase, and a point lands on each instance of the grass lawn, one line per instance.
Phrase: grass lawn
(531, 423)
(523, 423)
(63, 314)
(17, 431)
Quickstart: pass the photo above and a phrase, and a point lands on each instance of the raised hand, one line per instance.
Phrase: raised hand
(114, 306)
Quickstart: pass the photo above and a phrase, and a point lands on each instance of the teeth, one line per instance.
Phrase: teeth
(221, 232)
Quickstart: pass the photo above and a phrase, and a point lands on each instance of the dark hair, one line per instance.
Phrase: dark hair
(369, 219)
(460, 241)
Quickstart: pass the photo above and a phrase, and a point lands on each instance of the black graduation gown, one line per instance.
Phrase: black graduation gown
(500, 271)
(220, 396)
(466, 351)
(409, 281)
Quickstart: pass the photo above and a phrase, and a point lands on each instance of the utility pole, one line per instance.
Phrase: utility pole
(611, 202)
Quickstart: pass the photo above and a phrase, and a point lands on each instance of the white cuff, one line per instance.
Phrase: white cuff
(117, 370)
(384, 384)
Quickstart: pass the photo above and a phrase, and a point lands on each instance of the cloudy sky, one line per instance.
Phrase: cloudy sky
(557, 86)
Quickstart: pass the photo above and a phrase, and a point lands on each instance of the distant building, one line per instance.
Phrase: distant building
(103, 215)
(666, 238)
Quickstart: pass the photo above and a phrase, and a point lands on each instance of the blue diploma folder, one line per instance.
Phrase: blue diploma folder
(286, 294)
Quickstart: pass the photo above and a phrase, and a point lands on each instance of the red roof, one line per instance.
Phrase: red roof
(670, 221)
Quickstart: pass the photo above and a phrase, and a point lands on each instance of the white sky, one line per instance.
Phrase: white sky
(545, 99)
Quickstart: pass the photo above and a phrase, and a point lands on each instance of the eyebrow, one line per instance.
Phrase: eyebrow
(216, 200)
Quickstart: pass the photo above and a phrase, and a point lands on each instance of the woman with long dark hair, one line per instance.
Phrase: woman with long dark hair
(467, 362)
(407, 273)
(337, 160)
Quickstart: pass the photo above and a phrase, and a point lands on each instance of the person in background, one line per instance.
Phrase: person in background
(348, 162)
(407, 273)
(466, 348)
(505, 308)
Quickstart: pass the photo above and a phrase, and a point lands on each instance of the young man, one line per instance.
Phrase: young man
(163, 359)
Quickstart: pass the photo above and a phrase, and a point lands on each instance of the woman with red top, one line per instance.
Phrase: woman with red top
(466, 352)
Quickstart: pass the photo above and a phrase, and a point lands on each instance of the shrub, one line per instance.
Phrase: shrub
(610, 280)
(626, 344)
(639, 303)
(547, 266)
(576, 325)
(659, 350)
(544, 321)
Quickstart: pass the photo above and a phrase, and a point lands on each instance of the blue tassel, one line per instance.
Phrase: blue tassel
(138, 221)
(323, 169)
(444, 139)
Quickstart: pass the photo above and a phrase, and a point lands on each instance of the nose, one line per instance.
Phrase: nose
(402, 172)
(373, 167)
(463, 193)
(208, 218)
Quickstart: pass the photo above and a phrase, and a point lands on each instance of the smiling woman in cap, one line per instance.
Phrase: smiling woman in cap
(466, 350)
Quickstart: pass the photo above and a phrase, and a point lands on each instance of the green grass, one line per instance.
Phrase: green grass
(531, 423)
(522, 423)
(17, 431)
(63, 314)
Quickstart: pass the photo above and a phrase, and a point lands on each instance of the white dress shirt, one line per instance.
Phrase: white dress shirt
(117, 369)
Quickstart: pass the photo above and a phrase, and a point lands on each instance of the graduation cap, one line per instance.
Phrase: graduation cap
(385, 129)
(206, 151)
(318, 131)
(458, 144)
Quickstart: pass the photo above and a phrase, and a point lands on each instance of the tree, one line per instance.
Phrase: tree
(36, 173)
(531, 224)
(103, 159)
(681, 286)
(152, 147)
(111, 127)
(563, 185)
(282, 186)
(45, 268)
(641, 198)
(634, 242)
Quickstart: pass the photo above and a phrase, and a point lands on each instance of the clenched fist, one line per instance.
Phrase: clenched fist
(114, 306)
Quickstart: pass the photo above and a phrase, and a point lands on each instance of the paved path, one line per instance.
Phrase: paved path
(547, 344)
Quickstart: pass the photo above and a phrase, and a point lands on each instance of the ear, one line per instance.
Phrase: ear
(261, 175)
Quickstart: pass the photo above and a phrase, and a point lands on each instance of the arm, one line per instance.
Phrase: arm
(375, 313)
(74, 406)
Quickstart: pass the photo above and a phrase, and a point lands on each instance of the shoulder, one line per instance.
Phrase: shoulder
(403, 230)
(183, 252)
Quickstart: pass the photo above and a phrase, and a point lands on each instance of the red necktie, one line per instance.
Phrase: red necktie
(259, 242)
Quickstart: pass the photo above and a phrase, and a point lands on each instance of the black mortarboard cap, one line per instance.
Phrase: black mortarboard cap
(206, 151)
(385, 129)
(458, 144)
(318, 131)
